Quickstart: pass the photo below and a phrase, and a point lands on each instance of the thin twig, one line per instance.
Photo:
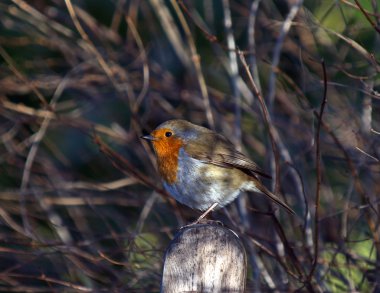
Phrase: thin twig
(172, 31)
(252, 42)
(65, 119)
(195, 57)
(350, 4)
(319, 175)
(12, 66)
(277, 51)
(140, 45)
(367, 154)
(233, 71)
(102, 62)
(48, 280)
(267, 119)
(367, 16)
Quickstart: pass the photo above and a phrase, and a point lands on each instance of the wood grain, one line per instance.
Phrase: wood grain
(204, 258)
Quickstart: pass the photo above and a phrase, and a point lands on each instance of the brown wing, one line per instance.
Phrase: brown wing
(216, 149)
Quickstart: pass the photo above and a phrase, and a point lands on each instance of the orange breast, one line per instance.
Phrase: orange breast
(167, 151)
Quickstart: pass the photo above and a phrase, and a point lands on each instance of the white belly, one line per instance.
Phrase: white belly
(199, 184)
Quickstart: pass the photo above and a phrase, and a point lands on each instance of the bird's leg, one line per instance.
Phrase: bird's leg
(213, 206)
(201, 217)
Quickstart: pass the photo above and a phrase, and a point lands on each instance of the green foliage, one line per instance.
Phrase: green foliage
(347, 271)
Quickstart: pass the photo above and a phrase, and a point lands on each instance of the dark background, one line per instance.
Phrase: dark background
(81, 205)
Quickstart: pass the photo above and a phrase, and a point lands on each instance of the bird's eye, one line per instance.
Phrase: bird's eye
(168, 134)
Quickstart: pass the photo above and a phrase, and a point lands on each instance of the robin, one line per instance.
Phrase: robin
(202, 169)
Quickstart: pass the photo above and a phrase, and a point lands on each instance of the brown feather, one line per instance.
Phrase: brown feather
(215, 149)
(273, 197)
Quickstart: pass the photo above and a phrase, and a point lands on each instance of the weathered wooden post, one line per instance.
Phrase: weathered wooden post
(204, 258)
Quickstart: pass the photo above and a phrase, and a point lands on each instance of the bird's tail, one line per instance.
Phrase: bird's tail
(274, 197)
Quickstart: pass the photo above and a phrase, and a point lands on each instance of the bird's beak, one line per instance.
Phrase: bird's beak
(147, 137)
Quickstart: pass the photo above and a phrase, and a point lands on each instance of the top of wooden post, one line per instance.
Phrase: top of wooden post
(204, 258)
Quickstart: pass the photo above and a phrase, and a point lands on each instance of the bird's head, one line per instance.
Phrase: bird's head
(171, 135)
(167, 140)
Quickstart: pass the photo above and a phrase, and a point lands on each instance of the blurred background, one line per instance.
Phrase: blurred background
(294, 84)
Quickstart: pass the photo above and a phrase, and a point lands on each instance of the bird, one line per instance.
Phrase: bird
(202, 169)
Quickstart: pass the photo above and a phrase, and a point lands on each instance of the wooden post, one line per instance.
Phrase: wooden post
(204, 258)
